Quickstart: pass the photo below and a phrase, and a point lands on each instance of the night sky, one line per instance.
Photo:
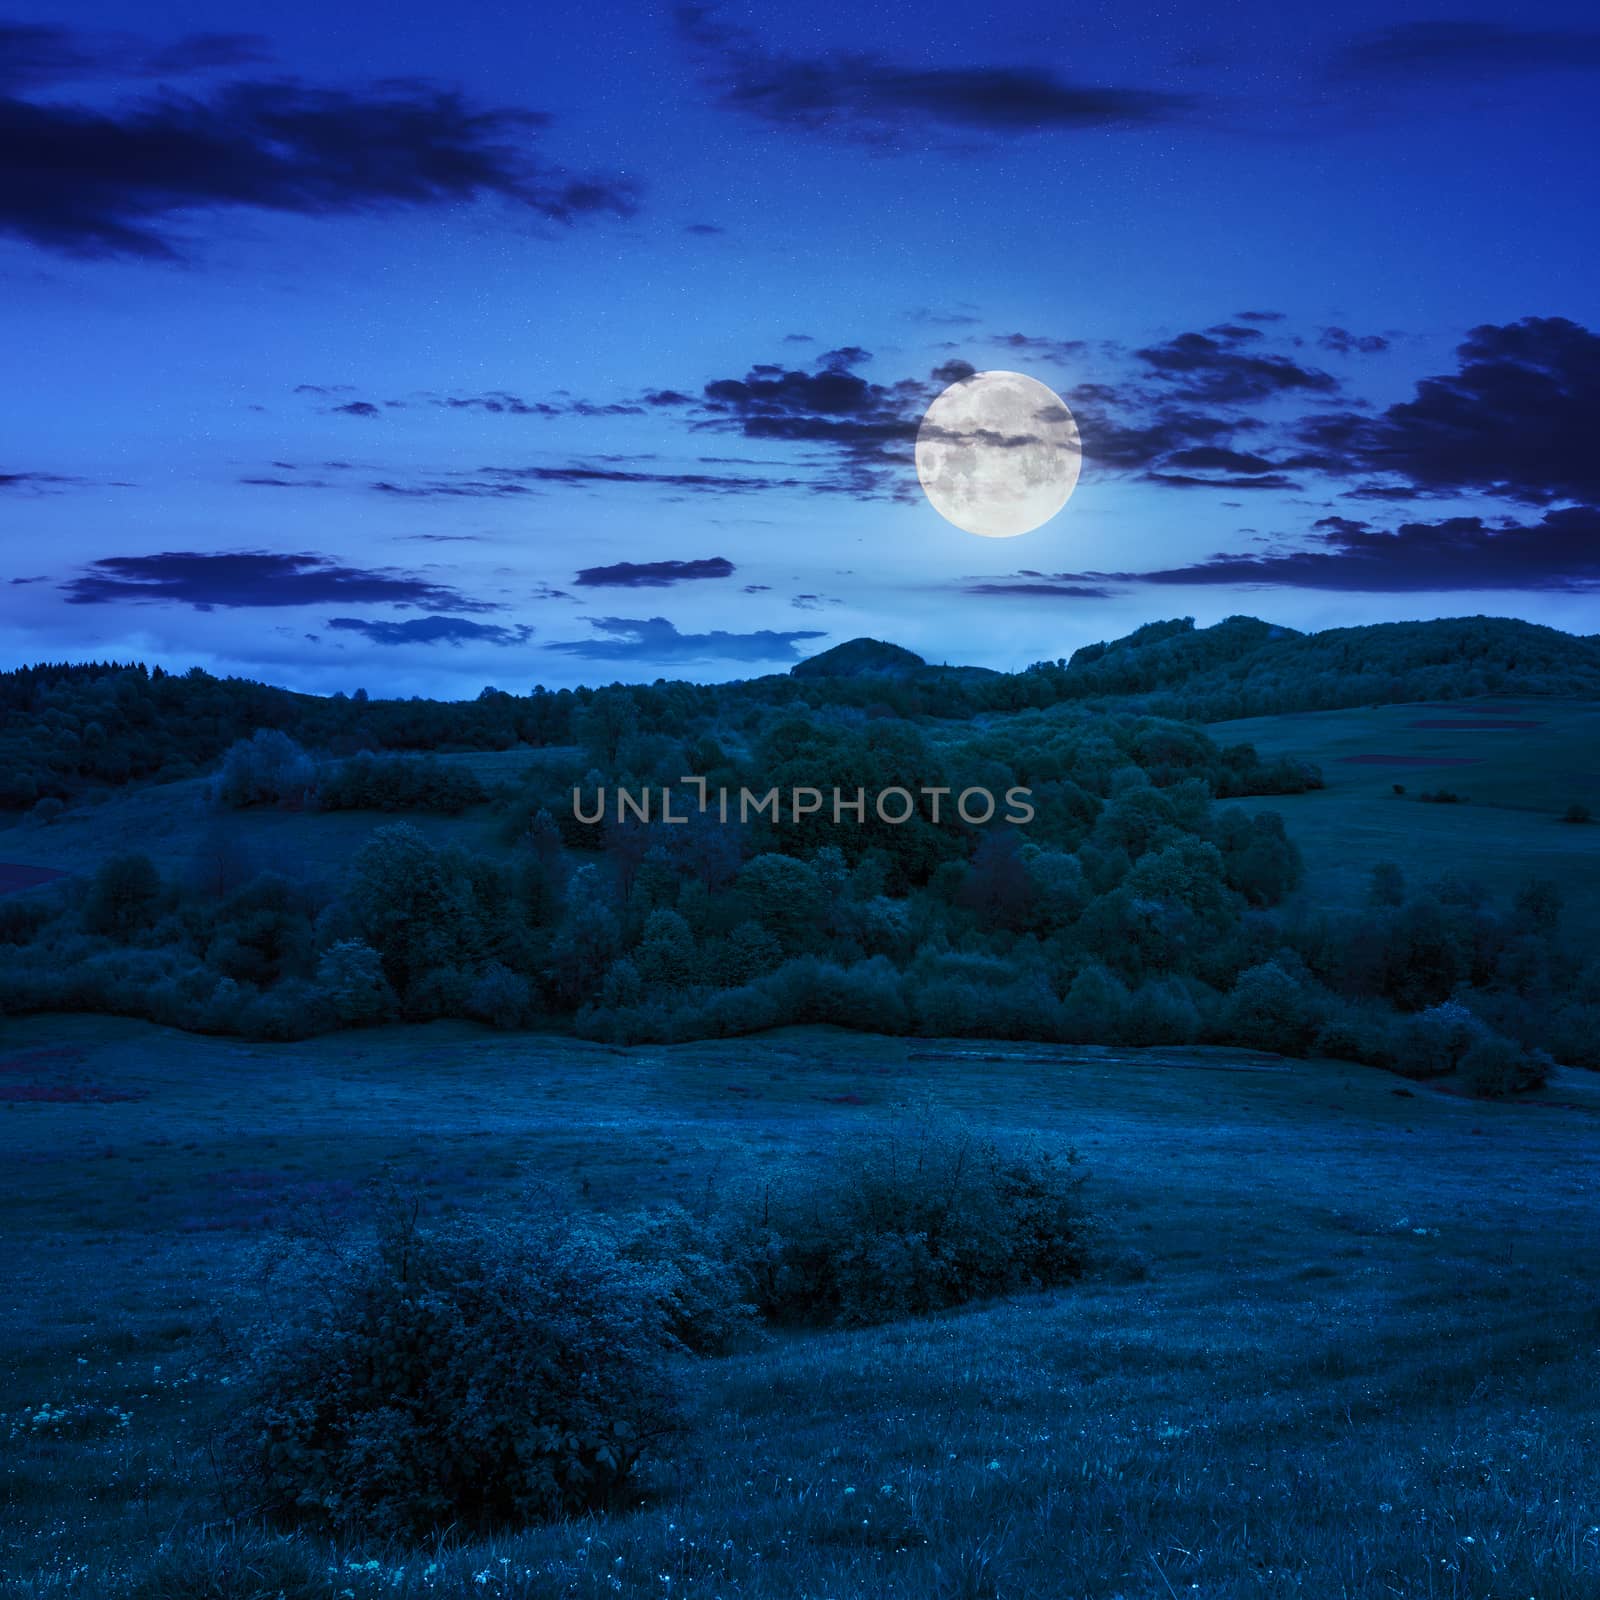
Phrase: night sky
(419, 347)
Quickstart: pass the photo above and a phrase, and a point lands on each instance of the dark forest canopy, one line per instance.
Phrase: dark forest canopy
(64, 727)
(1143, 905)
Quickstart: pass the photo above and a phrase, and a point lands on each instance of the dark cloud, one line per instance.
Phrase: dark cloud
(208, 580)
(1034, 345)
(1039, 587)
(1518, 419)
(501, 401)
(705, 230)
(963, 316)
(1259, 316)
(358, 408)
(1345, 343)
(33, 55)
(1417, 50)
(798, 338)
(37, 482)
(756, 588)
(509, 482)
(813, 602)
(867, 429)
(1560, 552)
(1190, 480)
(95, 182)
(1212, 367)
(865, 99)
(1215, 458)
(656, 639)
(653, 574)
(286, 483)
(433, 630)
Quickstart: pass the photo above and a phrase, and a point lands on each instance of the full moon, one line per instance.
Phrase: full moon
(998, 454)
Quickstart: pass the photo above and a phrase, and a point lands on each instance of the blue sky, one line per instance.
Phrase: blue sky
(422, 347)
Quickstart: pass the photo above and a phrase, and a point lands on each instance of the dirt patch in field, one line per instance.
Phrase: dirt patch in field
(14, 877)
(1477, 722)
(1410, 761)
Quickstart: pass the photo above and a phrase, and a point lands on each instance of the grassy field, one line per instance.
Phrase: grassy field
(1517, 765)
(1345, 1343)
(169, 821)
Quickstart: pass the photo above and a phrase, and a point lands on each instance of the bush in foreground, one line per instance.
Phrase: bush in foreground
(477, 1376)
(919, 1220)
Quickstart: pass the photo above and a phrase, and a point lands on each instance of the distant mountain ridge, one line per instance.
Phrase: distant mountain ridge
(65, 727)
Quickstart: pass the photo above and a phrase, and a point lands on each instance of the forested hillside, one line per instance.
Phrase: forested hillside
(1141, 903)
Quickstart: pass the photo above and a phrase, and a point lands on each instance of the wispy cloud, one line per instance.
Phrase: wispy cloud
(656, 639)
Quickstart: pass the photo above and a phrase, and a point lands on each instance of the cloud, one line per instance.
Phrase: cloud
(653, 574)
(433, 630)
(208, 580)
(33, 55)
(1212, 367)
(358, 408)
(1417, 50)
(37, 482)
(1344, 343)
(656, 639)
(867, 429)
(1047, 349)
(94, 182)
(864, 99)
(505, 482)
(1518, 419)
(1559, 552)
(1038, 585)
(1191, 480)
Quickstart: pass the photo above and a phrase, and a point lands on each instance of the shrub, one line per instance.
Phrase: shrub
(46, 810)
(269, 769)
(706, 1290)
(913, 1221)
(1434, 1041)
(1576, 812)
(502, 998)
(351, 974)
(1495, 1066)
(122, 895)
(1270, 1009)
(472, 1375)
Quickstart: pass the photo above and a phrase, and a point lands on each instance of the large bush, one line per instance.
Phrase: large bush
(472, 1376)
(916, 1220)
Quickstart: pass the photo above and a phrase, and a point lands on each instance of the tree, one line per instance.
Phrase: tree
(785, 897)
(1387, 885)
(1269, 1010)
(351, 975)
(405, 906)
(269, 768)
(997, 886)
(610, 717)
(122, 895)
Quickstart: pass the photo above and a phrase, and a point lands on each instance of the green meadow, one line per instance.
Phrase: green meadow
(1517, 765)
(1342, 1339)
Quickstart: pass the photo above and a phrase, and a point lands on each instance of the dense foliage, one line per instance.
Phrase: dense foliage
(474, 1376)
(1143, 904)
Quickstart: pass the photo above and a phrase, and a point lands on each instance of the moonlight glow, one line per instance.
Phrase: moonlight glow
(998, 454)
